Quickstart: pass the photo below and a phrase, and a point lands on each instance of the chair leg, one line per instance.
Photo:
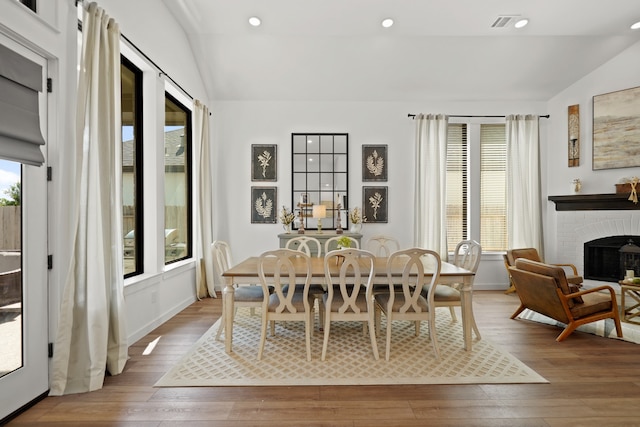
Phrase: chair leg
(273, 328)
(567, 331)
(220, 328)
(453, 314)
(518, 311)
(263, 335)
(388, 348)
(308, 326)
(325, 341)
(434, 337)
(372, 334)
(616, 319)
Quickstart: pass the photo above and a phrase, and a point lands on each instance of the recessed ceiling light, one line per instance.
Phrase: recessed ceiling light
(521, 23)
(255, 21)
(387, 22)
(635, 26)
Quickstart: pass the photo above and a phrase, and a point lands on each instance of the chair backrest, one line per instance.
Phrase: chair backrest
(382, 246)
(221, 254)
(527, 253)
(414, 263)
(467, 255)
(282, 270)
(306, 244)
(537, 285)
(332, 243)
(350, 272)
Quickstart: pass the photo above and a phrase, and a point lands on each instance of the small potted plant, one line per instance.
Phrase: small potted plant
(286, 218)
(344, 242)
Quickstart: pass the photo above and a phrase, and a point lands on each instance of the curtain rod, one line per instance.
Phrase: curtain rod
(452, 115)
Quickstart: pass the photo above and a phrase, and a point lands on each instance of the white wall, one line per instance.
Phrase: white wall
(237, 125)
(622, 72)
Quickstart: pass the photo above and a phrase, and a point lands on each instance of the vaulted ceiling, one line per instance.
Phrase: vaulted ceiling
(336, 50)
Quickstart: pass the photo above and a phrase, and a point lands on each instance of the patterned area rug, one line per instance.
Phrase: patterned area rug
(349, 358)
(604, 328)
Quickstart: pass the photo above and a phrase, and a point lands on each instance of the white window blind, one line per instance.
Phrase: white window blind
(457, 170)
(493, 168)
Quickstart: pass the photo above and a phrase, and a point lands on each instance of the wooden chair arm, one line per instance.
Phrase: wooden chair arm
(592, 290)
(573, 267)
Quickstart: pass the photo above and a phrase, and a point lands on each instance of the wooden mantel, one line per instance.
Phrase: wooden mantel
(594, 202)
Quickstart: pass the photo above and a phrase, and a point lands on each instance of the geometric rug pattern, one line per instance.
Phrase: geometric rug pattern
(349, 358)
(603, 328)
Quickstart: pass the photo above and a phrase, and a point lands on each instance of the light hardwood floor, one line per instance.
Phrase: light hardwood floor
(593, 382)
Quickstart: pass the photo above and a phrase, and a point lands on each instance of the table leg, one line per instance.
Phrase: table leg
(227, 312)
(465, 302)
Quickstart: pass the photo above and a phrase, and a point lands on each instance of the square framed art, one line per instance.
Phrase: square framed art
(264, 162)
(374, 163)
(263, 205)
(375, 204)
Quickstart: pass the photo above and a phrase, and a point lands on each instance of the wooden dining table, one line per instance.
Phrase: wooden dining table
(246, 272)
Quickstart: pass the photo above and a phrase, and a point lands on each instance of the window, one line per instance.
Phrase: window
(476, 185)
(132, 218)
(177, 181)
(31, 4)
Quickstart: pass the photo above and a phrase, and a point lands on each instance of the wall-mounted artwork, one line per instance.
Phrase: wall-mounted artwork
(574, 135)
(264, 202)
(263, 162)
(374, 163)
(616, 129)
(375, 204)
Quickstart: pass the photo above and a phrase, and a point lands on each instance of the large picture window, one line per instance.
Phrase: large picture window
(177, 181)
(132, 218)
(476, 185)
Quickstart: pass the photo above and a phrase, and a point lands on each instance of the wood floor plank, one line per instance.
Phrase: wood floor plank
(594, 381)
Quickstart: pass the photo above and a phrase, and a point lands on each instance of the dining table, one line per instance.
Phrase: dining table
(246, 272)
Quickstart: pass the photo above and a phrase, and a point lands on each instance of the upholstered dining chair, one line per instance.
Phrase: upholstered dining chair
(310, 246)
(349, 296)
(467, 255)
(287, 301)
(331, 244)
(382, 246)
(544, 288)
(409, 303)
(250, 296)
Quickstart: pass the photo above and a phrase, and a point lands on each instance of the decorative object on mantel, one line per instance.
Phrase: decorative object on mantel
(356, 218)
(576, 186)
(286, 218)
(574, 135)
(338, 219)
(319, 212)
(628, 185)
(616, 129)
(301, 219)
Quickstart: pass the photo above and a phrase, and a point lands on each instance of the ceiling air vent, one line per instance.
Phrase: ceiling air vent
(503, 21)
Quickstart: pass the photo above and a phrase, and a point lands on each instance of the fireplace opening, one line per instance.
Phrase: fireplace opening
(605, 261)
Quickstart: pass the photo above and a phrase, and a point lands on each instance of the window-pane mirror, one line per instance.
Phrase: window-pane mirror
(320, 177)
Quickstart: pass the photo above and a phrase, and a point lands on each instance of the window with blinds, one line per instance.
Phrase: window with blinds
(493, 187)
(489, 208)
(457, 172)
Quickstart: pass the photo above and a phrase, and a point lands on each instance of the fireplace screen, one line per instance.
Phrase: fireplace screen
(608, 258)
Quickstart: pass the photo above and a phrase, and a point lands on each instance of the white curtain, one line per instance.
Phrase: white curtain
(205, 282)
(524, 206)
(91, 335)
(430, 222)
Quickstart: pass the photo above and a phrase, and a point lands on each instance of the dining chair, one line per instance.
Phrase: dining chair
(467, 255)
(312, 247)
(287, 302)
(349, 276)
(250, 296)
(382, 246)
(331, 244)
(409, 303)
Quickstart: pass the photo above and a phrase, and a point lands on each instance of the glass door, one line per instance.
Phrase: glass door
(24, 365)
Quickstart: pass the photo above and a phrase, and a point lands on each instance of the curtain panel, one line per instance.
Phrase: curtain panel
(430, 223)
(91, 337)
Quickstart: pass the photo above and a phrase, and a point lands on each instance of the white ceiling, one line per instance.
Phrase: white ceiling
(336, 50)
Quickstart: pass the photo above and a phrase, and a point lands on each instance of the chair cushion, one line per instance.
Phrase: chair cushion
(444, 293)
(338, 301)
(297, 301)
(526, 253)
(546, 270)
(248, 294)
(398, 302)
(593, 303)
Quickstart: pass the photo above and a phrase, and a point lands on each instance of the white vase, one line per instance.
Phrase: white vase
(355, 228)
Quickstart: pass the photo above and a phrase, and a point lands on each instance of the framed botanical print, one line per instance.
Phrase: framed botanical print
(374, 163)
(263, 205)
(264, 162)
(375, 204)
